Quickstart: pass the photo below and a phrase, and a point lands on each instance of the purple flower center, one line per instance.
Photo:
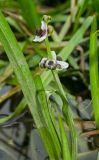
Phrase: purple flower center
(40, 32)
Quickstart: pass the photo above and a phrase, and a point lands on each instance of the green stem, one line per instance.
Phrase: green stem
(69, 118)
(68, 114)
(55, 75)
(48, 48)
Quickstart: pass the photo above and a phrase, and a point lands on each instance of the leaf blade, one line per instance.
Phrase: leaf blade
(94, 72)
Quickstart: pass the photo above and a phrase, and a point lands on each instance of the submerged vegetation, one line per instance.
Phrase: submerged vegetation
(49, 77)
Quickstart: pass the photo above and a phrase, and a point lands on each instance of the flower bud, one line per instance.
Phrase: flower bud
(47, 18)
(50, 30)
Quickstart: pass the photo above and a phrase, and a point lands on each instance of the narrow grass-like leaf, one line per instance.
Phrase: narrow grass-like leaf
(69, 120)
(45, 112)
(53, 114)
(95, 3)
(13, 23)
(80, 12)
(19, 65)
(64, 140)
(98, 156)
(18, 110)
(33, 60)
(24, 77)
(8, 4)
(76, 39)
(29, 12)
(8, 71)
(68, 116)
(59, 8)
(94, 72)
(3, 63)
(49, 144)
(65, 28)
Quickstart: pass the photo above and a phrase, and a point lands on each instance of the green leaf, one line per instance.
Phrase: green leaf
(3, 63)
(13, 23)
(96, 5)
(75, 40)
(25, 80)
(98, 156)
(33, 61)
(69, 120)
(49, 144)
(29, 13)
(46, 114)
(18, 110)
(82, 8)
(19, 66)
(65, 28)
(94, 71)
(64, 139)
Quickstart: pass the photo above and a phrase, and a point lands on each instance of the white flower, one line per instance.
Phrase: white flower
(43, 62)
(54, 63)
(41, 33)
(61, 65)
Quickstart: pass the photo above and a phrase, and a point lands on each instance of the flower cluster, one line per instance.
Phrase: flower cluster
(56, 62)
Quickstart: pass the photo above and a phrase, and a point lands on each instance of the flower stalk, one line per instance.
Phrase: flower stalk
(48, 48)
(54, 63)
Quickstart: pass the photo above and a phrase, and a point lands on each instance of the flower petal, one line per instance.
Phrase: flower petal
(36, 39)
(39, 39)
(43, 25)
(53, 55)
(42, 62)
(43, 37)
(61, 65)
